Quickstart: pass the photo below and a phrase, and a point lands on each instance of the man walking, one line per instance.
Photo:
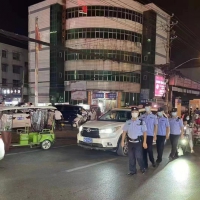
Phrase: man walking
(136, 131)
(151, 122)
(176, 130)
(162, 135)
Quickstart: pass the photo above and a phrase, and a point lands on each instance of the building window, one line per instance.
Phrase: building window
(4, 54)
(16, 69)
(91, 75)
(89, 54)
(4, 82)
(16, 83)
(16, 56)
(105, 11)
(4, 67)
(104, 33)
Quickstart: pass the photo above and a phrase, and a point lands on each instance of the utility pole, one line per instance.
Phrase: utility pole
(170, 38)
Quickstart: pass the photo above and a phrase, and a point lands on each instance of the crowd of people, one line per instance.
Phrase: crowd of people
(143, 130)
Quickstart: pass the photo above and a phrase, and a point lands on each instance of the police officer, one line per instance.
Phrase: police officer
(136, 130)
(176, 130)
(151, 122)
(162, 135)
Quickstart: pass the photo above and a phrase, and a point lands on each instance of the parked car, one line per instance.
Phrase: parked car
(70, 112)
(106, 133)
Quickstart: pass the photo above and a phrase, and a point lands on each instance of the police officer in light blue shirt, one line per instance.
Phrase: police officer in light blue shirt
(162, 134)
(135, 129)
(151, 122)
(176, 130)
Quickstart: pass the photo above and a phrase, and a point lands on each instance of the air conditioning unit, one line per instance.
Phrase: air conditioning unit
(67, 83)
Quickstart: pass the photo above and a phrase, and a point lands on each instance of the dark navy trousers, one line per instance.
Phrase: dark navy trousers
(149, 151)
(160, 144)
(135, 153)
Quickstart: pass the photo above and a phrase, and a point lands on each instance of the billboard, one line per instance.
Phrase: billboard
(159, 86)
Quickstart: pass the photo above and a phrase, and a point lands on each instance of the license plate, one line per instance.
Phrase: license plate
(20, 118)
(87, 140)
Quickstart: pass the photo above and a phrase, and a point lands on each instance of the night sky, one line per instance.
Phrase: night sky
(14, 18)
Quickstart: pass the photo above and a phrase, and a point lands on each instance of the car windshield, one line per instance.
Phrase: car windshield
(116, 115)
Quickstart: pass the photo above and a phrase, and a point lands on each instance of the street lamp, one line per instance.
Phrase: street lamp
(167, 83)
(186, 62)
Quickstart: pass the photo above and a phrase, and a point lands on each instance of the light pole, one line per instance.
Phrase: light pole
(186, 62)
(168, 74)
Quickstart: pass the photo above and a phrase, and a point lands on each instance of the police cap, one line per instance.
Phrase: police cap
(148, 104)
(174, 109)
(134, 108)
(160, 109)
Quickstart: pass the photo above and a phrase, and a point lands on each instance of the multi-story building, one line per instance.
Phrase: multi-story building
(14, 73)
(120, 43)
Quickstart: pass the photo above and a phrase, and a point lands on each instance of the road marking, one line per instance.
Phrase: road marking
(11, 154)
(91, 165)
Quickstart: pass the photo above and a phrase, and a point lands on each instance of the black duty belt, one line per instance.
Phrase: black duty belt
(139, 139)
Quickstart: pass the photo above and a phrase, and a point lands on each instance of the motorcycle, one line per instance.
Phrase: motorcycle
(184, 144)
(78, 121)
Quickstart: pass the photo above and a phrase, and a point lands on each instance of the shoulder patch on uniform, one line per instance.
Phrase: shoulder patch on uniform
(141, 121)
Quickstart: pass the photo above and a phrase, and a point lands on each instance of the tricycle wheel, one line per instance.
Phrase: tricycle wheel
(46, 144)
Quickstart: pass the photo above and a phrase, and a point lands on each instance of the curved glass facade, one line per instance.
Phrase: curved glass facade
(104, 33)
(89, 54)
(105, 11)
(99, 75)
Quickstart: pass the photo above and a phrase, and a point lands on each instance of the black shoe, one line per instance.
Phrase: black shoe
(158, 161)
(143, 170)
(154, 164)
(176, 156)
(170, 158)
(131, 173)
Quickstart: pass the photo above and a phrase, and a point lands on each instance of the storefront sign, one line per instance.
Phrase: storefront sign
(159, 86)
(98, 95)
(78, 86)
(182, 90)
(111, 95)
(78, 95)
(184, 82)
(144, 95)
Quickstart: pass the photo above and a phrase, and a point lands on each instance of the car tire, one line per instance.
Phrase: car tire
(122, 151)
(46, 144)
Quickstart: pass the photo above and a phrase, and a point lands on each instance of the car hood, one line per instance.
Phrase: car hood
(102, 124)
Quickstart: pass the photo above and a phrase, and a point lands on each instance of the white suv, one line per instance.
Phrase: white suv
(105, 134)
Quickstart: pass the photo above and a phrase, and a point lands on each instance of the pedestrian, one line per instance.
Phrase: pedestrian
(188, 131)
(176, 130)
(162, 135)
(58, 118)
(93, 114)
(151, 122)
(135, 129)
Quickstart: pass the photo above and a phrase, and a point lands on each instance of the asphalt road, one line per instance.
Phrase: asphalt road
(68, 172)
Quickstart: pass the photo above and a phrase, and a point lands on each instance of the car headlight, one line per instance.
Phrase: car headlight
(80, 128)
(107, 133)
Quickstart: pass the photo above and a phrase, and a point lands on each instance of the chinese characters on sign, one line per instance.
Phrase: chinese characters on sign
(159, 86)
(111, 95)
(98, 95)
(104, 95)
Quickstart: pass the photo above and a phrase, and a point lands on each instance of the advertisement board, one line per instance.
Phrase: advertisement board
(111, 95)
(79, 95)
(159, 86)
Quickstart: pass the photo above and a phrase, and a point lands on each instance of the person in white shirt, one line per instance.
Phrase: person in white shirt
(188, 131)
(93, 115)
(58, 117)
